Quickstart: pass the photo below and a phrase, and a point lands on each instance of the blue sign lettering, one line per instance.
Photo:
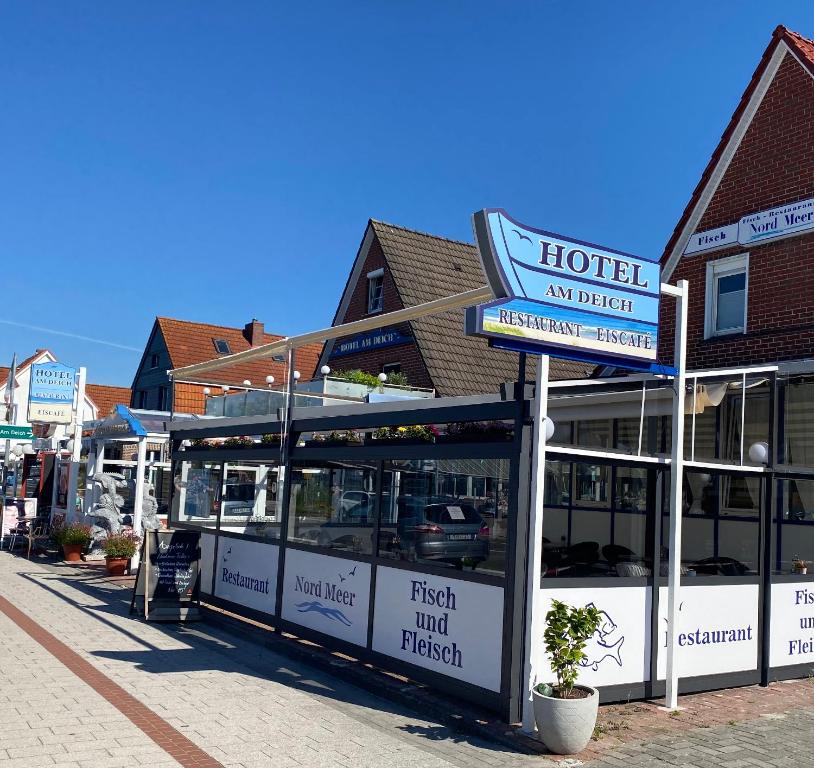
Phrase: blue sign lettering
(555, 295)
(367, 341)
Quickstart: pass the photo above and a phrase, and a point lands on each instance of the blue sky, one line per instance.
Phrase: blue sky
(218, 161)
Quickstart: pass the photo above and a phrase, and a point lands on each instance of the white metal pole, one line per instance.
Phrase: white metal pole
(533, 650)
(138, 498)
(73, 470)
(676, 496)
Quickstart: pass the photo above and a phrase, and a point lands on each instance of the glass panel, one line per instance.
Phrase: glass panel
(627, 435)
(450, 512)
(592, 538)
(250, 503)
(333, 505)
(593, 434)
(557, 490)
(197, 493)
(796, 534)
(720, 528)
(730, 302)
(591, 484)
(798, 422)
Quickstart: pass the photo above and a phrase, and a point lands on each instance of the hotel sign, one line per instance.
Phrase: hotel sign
(51, 394)
(364, 342)
(565, 297)
(773, 224)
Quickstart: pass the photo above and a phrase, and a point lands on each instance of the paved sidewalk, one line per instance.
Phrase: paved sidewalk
(210, 697)
(242, 704)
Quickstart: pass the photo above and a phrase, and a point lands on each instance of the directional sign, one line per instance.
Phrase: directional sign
(565, 297)
(10, 432)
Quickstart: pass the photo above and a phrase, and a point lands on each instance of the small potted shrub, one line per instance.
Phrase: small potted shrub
(798, 565)
(73, 538)
(238, 442)
(118, 549)
(566, 712)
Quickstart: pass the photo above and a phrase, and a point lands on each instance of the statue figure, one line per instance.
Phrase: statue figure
(149, 508)
(106, 514)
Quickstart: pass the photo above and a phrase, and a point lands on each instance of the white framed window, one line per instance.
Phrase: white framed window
(726, 293)
(375, 291)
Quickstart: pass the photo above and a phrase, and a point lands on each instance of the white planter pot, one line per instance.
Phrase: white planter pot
(565, 726)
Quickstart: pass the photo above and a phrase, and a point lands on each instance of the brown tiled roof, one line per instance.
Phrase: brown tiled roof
(105, 397)
(190, 343)
(805, 51)
(426, 267)
(4, 371)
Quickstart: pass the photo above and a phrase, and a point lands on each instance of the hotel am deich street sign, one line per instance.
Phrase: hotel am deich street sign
(565, 297)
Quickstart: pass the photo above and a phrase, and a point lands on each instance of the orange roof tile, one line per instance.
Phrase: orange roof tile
(105, 397)
(189, 343)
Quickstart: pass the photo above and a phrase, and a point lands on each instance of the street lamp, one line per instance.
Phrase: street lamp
(269, 380)
(246, 383)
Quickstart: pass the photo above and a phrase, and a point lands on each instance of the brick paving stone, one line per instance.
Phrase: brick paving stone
(244, 704)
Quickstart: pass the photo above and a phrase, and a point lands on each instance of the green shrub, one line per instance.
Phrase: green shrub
(71, 534)
(567, 631)
(122, 544)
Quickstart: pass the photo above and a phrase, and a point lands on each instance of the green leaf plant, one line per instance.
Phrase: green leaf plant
(568, 630)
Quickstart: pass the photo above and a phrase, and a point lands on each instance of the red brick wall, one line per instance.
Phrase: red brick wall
(412, 364)
(773, 165)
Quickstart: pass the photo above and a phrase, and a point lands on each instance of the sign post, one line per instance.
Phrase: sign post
(532, 648)
(676, 496)
(555, 295)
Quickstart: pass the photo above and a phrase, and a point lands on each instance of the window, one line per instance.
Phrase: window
(197, 493)
(249, 504)
(333, 505)
(141, 399)
(727, 285)
(222, 346)
(153, 361)
(449, 513)
(389, 368)
(375, 291)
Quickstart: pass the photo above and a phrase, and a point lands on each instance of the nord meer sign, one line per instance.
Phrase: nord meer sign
(565, 297)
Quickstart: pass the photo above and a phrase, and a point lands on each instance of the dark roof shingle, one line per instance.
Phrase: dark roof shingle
(426, 267)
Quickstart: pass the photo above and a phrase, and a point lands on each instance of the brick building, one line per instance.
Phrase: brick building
(396, 268)
(177, 343)
(752, 296)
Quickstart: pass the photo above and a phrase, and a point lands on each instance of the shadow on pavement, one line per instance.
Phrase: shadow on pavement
(214, 649)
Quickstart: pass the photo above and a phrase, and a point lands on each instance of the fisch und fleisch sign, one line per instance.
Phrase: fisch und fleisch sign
(565, 297)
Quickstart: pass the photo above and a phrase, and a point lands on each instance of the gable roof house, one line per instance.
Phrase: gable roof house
(397, 267)
(177, 343)
(745, 241)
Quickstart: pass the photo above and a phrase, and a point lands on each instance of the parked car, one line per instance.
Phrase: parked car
(448, 531)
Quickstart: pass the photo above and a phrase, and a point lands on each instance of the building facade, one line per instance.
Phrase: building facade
(176, 343)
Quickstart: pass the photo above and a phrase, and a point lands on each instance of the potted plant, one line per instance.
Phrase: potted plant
(238, 442)
(566, 712)
(413, 434)
(798, 565)
(73, 538)
(118, 549)
(335, 438)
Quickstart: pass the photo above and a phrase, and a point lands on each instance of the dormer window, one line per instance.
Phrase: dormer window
(154, 361)
(222, 346)
(375, 291)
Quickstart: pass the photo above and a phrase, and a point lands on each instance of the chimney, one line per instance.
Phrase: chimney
(253, 332)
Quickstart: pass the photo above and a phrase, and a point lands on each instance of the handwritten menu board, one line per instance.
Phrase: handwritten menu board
(168, 581)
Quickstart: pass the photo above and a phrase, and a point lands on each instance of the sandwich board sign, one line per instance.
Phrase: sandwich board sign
(168, 581)
(565, 297)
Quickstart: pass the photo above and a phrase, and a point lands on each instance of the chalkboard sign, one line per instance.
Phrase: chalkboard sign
(167, 585)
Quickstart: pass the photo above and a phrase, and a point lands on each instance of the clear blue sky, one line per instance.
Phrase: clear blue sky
(218, 161)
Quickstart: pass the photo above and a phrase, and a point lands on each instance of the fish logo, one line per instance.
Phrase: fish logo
(334, 614)
(606, 643)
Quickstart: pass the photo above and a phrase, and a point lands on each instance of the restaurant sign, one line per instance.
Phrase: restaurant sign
(772, 224)
(51, 393)
(364, 342)
(556, 295)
